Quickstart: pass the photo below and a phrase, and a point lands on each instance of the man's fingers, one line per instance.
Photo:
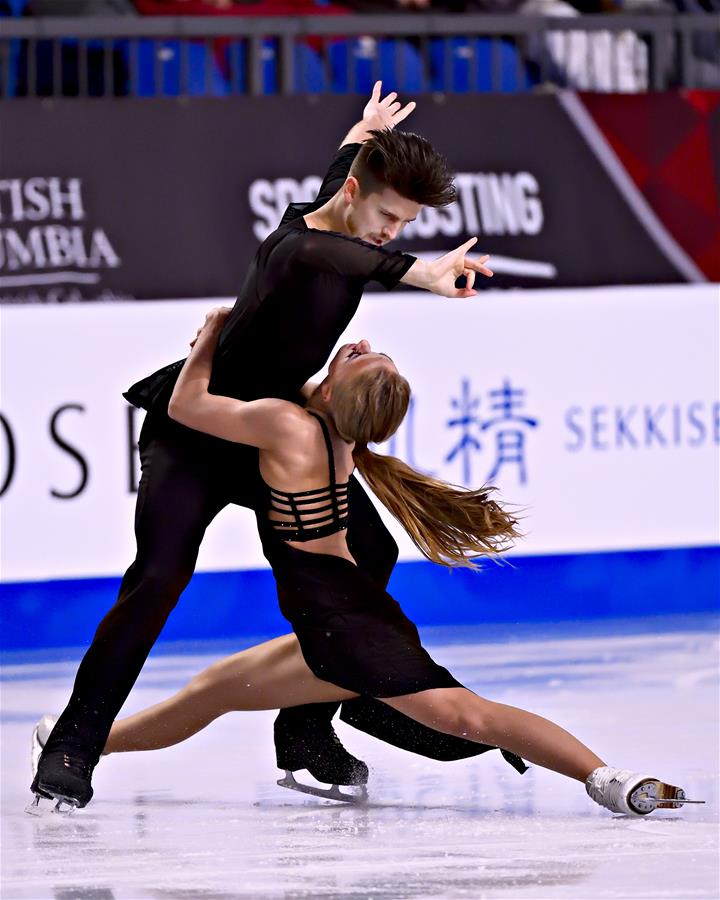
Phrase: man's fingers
(456, 257)
(462, 293)
(404, 112)
(478, 265)
(469, 278)
(376, 91)
(389, 99)
(468, 244)
(453, 255)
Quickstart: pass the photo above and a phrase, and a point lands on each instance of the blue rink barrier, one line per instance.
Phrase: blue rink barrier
(532, 589)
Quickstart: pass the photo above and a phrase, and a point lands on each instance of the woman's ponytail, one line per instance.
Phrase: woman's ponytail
(448, 524)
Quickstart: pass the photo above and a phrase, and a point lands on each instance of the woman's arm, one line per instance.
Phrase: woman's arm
(260, 423)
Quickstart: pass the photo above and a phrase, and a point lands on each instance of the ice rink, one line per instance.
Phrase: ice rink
(205, 819)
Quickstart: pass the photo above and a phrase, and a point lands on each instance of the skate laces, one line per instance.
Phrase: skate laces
(77, 766)
(336, 747)
(74, 764)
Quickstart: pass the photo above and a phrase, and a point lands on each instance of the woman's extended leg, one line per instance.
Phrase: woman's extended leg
(460, 712)
(269, 676)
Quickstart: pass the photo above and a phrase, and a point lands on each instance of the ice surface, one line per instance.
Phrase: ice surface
(205, 820)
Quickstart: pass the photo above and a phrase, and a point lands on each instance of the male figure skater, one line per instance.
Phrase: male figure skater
(301, 291)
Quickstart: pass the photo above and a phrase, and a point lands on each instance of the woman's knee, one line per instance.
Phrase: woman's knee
(210, 689)
(470, 717)
(234, 679)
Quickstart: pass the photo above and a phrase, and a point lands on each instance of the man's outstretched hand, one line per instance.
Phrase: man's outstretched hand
(379, 113)
(445, 270)
(440, 275)
(382, 113)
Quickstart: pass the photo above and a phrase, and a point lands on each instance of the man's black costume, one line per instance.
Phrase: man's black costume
(300, 293)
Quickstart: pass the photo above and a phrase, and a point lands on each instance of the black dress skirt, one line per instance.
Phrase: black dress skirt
(351, 631)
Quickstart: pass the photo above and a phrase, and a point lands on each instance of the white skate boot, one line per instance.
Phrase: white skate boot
(632, 794)
(40, 734)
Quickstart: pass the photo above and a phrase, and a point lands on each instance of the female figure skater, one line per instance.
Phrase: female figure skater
(350, 637)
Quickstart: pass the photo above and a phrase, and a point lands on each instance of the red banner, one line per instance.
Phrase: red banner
(669, 144)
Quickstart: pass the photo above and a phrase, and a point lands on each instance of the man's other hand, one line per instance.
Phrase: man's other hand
(381, 113)
(445, 270)
(440, 275)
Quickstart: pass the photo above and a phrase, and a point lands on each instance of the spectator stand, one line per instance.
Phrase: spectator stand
(150, 56)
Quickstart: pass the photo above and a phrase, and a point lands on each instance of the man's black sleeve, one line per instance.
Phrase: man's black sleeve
(337, 173)
(338, 254)
(331, 184)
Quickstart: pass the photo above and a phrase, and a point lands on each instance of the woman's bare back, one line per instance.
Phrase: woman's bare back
(301, 467)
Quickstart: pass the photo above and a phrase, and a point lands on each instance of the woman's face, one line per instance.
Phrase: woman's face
(353, 358)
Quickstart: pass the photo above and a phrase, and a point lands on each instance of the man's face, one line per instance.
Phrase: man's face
(378, 217)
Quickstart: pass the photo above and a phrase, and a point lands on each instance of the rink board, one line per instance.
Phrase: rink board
(596, 412)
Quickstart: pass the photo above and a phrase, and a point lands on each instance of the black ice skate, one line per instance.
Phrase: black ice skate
(622, 791)
(320, 752)
(61, 775)
(64, 778)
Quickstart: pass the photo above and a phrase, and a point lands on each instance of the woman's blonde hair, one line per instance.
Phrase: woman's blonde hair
(450, 525)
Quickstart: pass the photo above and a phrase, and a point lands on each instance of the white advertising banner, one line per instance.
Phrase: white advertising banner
(596, 411)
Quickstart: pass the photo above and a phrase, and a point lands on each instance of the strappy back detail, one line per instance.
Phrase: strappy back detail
(311, 514)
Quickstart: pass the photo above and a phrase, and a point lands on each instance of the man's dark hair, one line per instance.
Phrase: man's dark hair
(406, 163)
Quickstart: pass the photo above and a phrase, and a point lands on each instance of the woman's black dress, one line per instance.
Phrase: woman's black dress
(352, 633)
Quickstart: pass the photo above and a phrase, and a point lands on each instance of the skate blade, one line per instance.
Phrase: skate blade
(652, 795)
(45, 806)
(333, 793)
